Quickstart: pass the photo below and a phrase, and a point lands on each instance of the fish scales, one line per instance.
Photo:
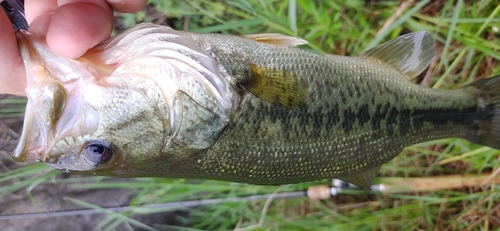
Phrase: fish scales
(356, 116)
(158, 102)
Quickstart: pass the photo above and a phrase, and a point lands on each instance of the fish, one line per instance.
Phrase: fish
(157, 102)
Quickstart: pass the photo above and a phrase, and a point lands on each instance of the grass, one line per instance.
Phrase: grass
(468, 38)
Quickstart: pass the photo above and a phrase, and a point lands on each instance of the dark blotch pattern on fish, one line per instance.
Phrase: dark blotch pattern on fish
(386, 119)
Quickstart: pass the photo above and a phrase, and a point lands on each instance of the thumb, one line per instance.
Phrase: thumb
(12, 73)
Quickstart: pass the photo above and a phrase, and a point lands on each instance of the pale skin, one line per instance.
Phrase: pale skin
(70, 26)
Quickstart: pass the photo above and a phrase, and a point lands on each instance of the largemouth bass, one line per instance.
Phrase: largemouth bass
(155, 102)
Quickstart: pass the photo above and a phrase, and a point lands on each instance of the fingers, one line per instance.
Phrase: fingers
(74, 26)
(70, 26)
(35, 8)
(127, 6)
(12, 73)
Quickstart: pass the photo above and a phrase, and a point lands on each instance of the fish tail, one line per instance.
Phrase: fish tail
(487, 122)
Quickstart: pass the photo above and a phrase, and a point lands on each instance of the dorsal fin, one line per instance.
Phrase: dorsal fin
(275, 86)
(276, 39)
(410, 53)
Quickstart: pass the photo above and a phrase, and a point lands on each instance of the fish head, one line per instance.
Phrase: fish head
(78, 116)
(118, 110)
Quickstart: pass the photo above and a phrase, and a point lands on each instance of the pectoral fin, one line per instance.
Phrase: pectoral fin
(276, 39)
(275, 86)
(363, 179)
(410, 53)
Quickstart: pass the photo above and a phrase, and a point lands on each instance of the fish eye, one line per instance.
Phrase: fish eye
(97, 152)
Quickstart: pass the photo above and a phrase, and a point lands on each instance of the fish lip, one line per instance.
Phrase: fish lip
(68, 162)
(31, 135)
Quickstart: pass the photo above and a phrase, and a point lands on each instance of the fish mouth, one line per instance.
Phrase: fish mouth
(69, 162)
(31, 146)
(55, 138)
(56, 107)
(46, 103)
(56, 124)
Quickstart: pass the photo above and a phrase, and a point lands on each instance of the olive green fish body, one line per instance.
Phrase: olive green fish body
(158, 102)
(356, 115)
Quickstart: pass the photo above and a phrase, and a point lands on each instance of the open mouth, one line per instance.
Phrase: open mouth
(31, 145)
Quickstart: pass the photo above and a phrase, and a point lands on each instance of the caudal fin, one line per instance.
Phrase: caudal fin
(488, 117)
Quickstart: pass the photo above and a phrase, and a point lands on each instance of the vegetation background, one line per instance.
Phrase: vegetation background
(468, 45)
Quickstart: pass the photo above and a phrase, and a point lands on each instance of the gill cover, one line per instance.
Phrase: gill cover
(199, 99)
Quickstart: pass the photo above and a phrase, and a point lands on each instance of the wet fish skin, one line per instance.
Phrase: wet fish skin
(356, 117)
(254, 112)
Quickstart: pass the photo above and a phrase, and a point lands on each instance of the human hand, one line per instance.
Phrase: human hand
(70, 26)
